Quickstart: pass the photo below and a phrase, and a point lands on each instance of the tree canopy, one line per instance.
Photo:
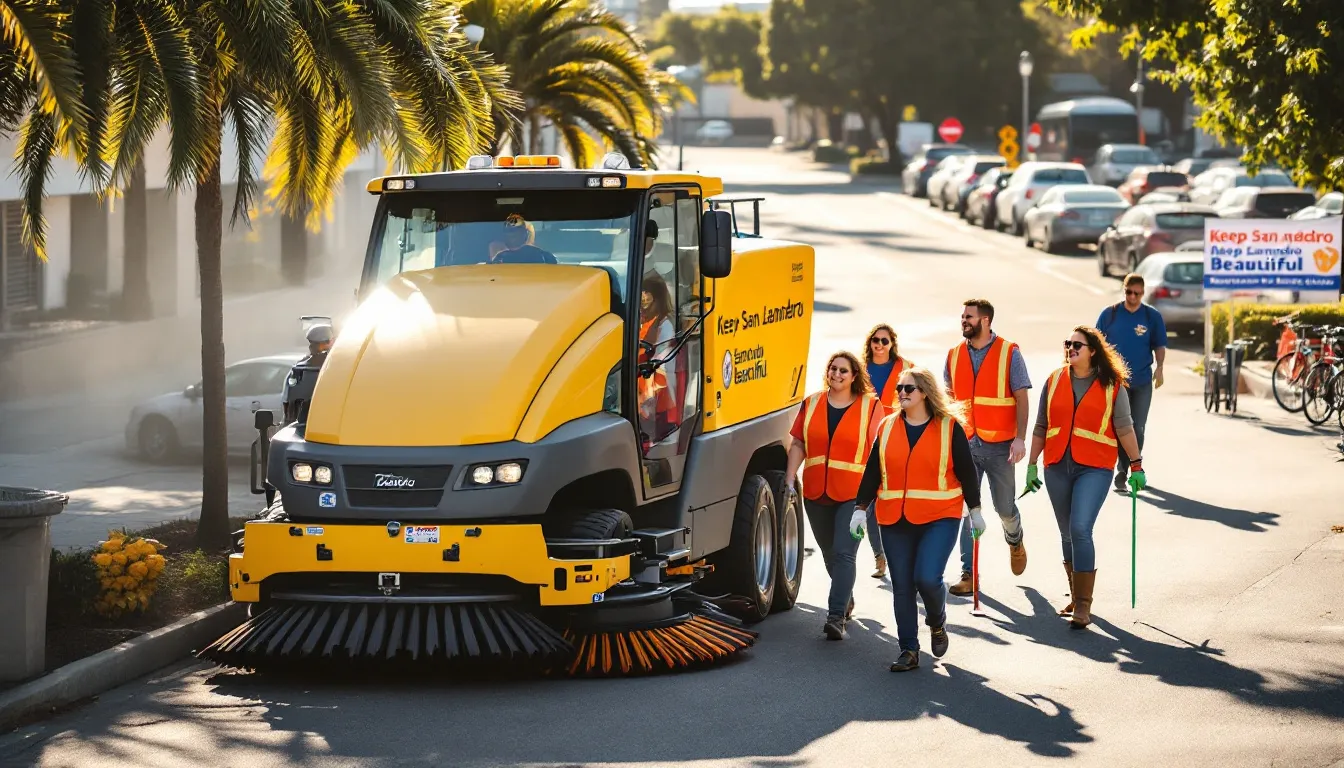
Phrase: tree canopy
(1266, 75)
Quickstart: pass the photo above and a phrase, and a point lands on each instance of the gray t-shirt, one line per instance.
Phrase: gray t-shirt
(1122, 419)
(1018, 379)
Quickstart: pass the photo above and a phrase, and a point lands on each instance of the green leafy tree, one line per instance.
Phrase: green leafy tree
(802, 47)
(578, 66)
(676, 40)
(1267, 75)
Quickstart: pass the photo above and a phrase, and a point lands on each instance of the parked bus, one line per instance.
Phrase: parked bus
(1073, 130)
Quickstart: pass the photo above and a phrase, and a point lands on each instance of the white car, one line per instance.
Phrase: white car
(714, 132)
(1114, 162)
(942, 175)
(1029, 182)
(164, 426)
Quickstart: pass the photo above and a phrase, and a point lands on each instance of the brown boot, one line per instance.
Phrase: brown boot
(1068, 572)
(881, 567)
(1083, 581)
(963, 587)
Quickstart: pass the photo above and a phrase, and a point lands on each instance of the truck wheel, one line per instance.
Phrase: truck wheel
(789, 549)
(747, 567)
(596, 524)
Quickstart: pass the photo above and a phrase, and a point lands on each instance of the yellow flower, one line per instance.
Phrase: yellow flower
(155, 543)
(114, 569)
(139, 570)
(102, 559)
(119, 558)
(111, 545)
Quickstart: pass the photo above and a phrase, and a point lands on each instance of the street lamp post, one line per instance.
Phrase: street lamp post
(1024, 67)
(1137, 90)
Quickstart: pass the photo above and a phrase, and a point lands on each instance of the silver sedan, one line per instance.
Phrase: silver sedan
(163, 426)
(1068, 215)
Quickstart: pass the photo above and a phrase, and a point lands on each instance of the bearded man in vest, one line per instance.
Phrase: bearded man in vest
(988, 376)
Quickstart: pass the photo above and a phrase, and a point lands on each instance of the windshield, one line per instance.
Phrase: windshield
(1184, 272)
(1092, 131)
(1134, 156)
(1264, 179)
(424, 230)
(1092, 196)
(1183, 220)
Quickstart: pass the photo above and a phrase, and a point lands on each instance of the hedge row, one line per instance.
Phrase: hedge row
(1256, 321)
(873, 166)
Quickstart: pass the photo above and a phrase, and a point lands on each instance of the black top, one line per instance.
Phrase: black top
(833, 416)
(963, 466)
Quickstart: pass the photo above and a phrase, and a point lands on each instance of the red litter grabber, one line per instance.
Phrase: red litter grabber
(976, 610)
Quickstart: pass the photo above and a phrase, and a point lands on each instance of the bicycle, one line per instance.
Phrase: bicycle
(1221, 377)
(1290, 369)
(1320, 397)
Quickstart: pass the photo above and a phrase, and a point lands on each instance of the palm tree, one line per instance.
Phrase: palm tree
(580, 67)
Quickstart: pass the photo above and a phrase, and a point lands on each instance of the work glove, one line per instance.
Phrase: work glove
(977, 522)
(1033, 481)
(1137, 480)
(856, 522)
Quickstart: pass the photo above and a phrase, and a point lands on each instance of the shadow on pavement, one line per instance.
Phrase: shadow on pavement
(1241, 519)
(1188, 665)
(569, 721)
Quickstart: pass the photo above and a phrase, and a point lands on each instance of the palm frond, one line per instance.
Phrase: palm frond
(37, 147)
(35, 30)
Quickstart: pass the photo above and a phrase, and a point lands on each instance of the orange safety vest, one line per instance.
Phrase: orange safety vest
(1085, 430)
(888, 396)
(834, 465)
(917, 483)
(991, 410)
(655, 385)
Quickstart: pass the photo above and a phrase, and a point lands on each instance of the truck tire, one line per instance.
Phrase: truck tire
(789, 543)
(748, 567)
(596, 524)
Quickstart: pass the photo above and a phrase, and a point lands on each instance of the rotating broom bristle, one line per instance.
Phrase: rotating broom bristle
(685, 642)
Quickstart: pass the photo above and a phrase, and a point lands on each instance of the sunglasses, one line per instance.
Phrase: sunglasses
(883, 340)
(841, 371)
(1075, 345)
(1133, 293)
(908, 389)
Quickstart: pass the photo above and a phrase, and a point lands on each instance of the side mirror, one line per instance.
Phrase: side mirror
(716, 244)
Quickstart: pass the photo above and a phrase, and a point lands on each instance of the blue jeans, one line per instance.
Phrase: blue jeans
(1140, 400)
(992, 459)
(830, 528)
(917, 555)
(1077, 493)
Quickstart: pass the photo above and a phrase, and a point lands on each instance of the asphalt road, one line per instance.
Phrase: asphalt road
(1233, 656)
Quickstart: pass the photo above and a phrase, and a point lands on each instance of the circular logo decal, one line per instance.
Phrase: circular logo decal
(727, 369)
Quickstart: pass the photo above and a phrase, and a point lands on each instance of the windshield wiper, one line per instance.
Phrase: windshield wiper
(647, 369)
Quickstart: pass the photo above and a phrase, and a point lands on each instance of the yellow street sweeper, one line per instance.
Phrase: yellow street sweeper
(552, 435)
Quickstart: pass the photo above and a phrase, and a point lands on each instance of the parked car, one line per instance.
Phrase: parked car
(161, 427)
(1193, 166)
(1174, 285)
(1262, 202)
(1030, 180)
(942, 174)
(1147, 178)
(1070, 214)
(1211, 184)
(960, 181)
(980, 201)
(1114, 162)
(1330, 204)
(915, 176)
(1166, 195)
(1146, 229)
(714, 132)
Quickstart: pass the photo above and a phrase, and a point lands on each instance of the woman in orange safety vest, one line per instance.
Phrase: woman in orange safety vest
(884, 363)
(1082, 423)
(920, 475)
(832, 435)
(658, 409)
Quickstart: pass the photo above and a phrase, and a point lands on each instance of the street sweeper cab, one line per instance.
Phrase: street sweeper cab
(553, 432)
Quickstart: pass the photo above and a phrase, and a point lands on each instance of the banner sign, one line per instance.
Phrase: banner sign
(1272, 253)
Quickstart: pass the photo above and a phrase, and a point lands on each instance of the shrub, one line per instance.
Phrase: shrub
(826, 151)
(1257, 321)
(873, 166)
(128, 571)
(72, 587)
(195, 580)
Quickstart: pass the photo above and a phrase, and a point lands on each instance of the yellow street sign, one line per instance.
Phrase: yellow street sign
(910, 113)
(1007, 133)
(1008, 148)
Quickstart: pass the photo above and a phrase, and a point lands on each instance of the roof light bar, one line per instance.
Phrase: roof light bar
(615, 161)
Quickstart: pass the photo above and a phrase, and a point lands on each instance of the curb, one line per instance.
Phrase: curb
(120, 664)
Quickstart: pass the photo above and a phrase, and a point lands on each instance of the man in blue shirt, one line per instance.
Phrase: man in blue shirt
(1137, 332)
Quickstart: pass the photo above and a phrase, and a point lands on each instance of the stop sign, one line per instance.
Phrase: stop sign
(950, 129)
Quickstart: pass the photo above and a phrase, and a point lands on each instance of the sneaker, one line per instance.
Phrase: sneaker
(1017, 554)
(849, 612)
(1121, 483)
(939, 635)
(907, 661)
(834, 629)
(964, 587)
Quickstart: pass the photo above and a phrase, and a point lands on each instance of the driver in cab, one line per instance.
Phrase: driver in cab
(516, 244)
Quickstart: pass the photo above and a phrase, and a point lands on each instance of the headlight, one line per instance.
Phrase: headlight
(302, 473)
(482, 475)
(322, 475)
(509, 473)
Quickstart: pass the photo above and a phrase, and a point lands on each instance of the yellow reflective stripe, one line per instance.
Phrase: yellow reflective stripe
(1051, 432)
(1094, 436)
(1106, 415)
(952, 365)
(945, 450)
(889, 495)
(866, 403)
(1005, 352)
(811, 413)
(995, 401)
(934, 495)
(845, 465)
(812, 462)
(882, 446)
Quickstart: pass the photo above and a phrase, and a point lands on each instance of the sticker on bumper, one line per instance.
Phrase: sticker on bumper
(422, 534)
(326, 499)
(313, 530)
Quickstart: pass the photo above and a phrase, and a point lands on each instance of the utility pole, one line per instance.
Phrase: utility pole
(1137, 90)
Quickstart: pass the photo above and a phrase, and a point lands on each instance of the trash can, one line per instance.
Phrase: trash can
(25, 563)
